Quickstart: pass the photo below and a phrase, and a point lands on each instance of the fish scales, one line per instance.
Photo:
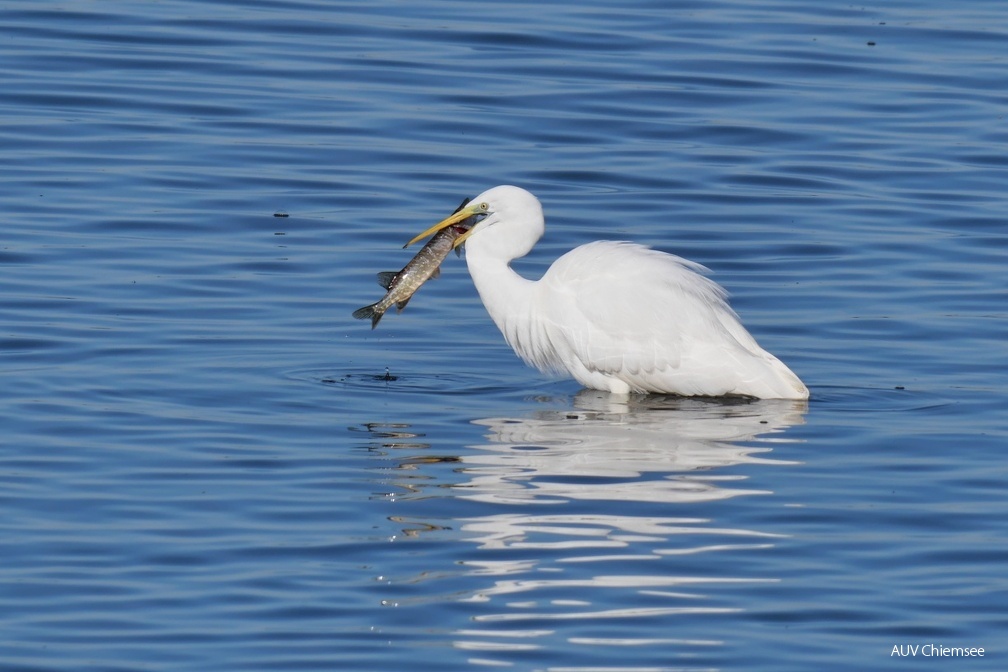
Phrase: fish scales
(426, 264)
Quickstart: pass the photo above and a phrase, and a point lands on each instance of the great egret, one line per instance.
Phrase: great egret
(616, 316)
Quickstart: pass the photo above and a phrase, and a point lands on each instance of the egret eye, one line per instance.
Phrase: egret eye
(484, 206)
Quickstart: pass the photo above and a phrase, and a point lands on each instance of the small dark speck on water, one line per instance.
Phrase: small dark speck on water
(280, 214)
(900, 387)
(871, 44)
(387, 377)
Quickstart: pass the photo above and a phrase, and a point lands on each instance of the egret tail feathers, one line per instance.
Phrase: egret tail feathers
(772, 379)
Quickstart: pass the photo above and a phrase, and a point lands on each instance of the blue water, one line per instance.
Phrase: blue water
(207, 464)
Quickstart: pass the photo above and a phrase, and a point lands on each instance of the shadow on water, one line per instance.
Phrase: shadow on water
(585, 517)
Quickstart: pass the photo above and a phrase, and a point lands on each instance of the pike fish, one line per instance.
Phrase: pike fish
(425, 265)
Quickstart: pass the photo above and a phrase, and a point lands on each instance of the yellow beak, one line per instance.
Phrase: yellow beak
(465, 213)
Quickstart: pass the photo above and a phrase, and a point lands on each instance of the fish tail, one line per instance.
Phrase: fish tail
(369, 312)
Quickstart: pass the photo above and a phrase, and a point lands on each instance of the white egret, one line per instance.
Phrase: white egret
(616, 316)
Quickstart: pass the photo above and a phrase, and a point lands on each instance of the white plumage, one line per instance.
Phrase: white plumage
(616, 316)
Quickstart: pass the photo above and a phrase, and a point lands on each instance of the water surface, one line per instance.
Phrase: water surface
(208, 464)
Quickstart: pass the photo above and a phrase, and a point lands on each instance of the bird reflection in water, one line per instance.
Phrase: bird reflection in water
(576, 518)
(644, 448)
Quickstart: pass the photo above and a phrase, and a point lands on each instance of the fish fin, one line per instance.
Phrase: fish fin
(386, 278)
(436, 273)
(402, 304)
(458, 250)
(369, 312)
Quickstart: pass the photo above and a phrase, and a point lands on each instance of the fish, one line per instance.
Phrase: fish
(425, 265)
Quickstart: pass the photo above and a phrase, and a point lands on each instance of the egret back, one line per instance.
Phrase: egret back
(656, 323)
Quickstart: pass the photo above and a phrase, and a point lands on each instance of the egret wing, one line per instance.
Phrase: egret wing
(625, 310)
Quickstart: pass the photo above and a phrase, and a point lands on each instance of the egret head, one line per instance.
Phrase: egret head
(514, 207)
